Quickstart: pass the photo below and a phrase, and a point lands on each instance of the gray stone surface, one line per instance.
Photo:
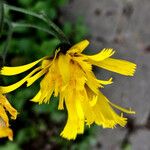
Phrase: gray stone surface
(140, 140)
(109, 136)
(125, 26)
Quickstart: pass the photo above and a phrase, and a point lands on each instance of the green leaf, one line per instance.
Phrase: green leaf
(127, 147)
(39, 6)
(52, 13)
(43, 108)
(10, 146)
(20, 97)
(58, 116)
(67, 28)
(25, 2)
(48, 47)
(62, 2)
(80, 30)
(26, 134)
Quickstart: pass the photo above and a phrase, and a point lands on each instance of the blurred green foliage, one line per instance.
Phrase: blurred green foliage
(38, 126)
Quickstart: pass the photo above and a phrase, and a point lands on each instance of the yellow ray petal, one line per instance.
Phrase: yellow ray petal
(36, 98)
(74, 125)
(46, 90)
(4, 116)
(56, 88)
(105, 53)
(118, 107)
(105, 82)
(6, 132)
(46, 63)
(7, 89)
(78, 99)
(64, 67)
(93, 101)
(117, 65)
(48, 96)
(9, 71)
(78, 77)
(4, 102)
(70, 130)
(122, 109)
(86, 66)
(47, 87)
(105, 115)
(93, 83)
(88, 112)
(79, 47)
(61, 101)
(32, 79)
(2, 122)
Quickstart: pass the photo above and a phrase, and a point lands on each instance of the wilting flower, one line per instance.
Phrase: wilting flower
(5, 131)
(69, 75)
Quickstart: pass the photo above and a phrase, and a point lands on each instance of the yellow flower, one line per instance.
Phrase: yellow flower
(69, 75)
(5, 131)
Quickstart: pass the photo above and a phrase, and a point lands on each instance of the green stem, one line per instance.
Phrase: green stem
(1, 16)
(14, 25)
(61, 35)
(6, 45)
(43, 17)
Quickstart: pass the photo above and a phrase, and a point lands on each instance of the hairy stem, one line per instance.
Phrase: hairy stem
(15, 24)
(6, 45)
(43, 17)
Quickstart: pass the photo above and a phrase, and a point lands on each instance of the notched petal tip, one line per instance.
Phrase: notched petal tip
(105, 53)
(117, 65)
(133, 70)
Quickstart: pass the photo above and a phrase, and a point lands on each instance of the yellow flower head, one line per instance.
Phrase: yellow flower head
(5, 131)
(69, 75)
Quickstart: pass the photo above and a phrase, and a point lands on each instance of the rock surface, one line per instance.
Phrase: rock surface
(125, 26)
(140, 140)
